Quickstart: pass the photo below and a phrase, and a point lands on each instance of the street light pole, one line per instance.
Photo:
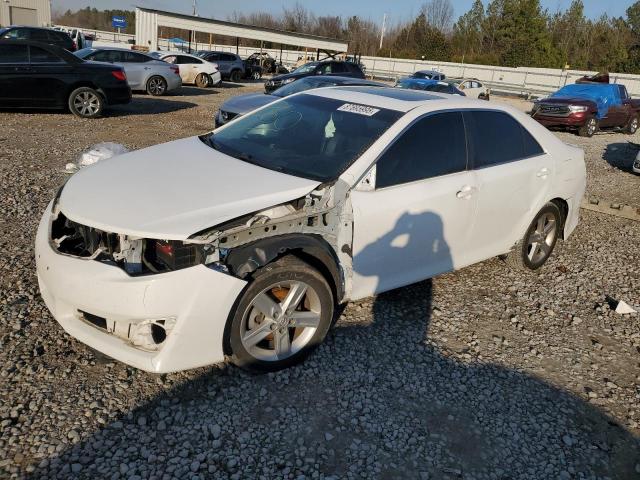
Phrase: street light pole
(384, 26)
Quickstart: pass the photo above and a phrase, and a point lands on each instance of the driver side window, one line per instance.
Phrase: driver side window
(434, 145)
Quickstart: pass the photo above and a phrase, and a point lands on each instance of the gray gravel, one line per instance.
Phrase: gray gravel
(485, 373)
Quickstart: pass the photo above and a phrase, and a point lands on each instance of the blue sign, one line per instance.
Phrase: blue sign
(118, 21)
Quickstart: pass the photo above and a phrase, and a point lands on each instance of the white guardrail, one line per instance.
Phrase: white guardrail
(521, 81)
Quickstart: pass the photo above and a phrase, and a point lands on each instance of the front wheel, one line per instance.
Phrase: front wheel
(632, 126)
(589, 128)
(203, 80)
(539, 240)
(156, 86)
(256, 75)
(283, 314)
(85, 102)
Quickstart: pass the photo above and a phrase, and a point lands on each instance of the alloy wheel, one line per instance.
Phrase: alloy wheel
(156, 86)
(541, 240)
(591, 126)
(280, 321)
(86, 103)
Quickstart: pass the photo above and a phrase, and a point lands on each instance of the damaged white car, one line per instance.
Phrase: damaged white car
(242, 243)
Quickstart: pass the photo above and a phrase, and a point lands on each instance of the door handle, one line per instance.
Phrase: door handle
(542, 173)
(465, 193)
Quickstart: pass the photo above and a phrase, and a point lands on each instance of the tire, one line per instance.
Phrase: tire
(632, 126)
(589, 128)
(255, 75)
(156, 86)
(530, 254)
(235, 76)
(86, 102)
(203, 80)
(266, 342)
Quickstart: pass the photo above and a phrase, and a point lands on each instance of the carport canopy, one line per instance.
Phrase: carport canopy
(148, 21)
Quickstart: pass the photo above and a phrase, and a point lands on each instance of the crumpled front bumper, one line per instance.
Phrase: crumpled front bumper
(198, 298)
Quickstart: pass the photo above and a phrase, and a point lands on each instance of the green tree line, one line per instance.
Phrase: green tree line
(514, 33)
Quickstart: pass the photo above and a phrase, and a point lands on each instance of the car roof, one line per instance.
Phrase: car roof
(403, 100)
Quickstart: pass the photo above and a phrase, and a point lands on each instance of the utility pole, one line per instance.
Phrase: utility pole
(384, 26)
(193, 33)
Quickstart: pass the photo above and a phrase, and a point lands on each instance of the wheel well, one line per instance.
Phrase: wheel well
(83, 84)
(564, 212)
(312, 249)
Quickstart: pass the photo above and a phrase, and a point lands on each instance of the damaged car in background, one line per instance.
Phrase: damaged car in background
(245, 248)
(589, 107)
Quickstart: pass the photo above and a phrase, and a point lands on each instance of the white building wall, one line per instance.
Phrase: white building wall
(42, 7)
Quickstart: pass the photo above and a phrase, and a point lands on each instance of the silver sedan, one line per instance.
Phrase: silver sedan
(144, 72)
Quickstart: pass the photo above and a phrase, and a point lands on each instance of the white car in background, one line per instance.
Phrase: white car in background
(144, 72)
(472, 87)
(242, 242)
(193, 70)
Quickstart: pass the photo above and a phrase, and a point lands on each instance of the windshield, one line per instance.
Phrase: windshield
(306, 68)
(305, 135)
(412, 84)
(302, 85)
(426, 75)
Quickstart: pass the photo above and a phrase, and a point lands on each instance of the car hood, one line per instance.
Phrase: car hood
(568, 101)
(247, 103)
(173, 190)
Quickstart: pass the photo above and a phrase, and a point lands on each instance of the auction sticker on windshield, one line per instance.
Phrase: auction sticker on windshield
(359, 109)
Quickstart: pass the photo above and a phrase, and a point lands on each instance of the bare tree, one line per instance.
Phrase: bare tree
(439, 14)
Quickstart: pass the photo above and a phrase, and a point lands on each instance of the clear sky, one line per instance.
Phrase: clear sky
(372, 9)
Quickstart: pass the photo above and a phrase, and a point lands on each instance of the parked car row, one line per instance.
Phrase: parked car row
(43, 75)
(38, 75)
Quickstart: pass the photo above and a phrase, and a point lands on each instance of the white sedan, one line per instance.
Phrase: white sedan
(193, 70)
(241, 243)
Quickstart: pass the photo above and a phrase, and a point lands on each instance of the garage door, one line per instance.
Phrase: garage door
(23, 16)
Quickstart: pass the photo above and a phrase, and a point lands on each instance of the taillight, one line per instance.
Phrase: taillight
(176, 70)
(120, 75)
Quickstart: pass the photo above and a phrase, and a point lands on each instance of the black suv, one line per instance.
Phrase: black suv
(37, 75)
(326, 67)
(43, 35)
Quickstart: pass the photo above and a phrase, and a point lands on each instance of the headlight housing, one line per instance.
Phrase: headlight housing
(288, 80)
(578, 108)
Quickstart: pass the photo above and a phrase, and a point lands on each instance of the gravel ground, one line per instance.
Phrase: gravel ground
(485, 373)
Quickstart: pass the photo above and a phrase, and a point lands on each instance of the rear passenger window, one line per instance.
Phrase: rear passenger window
(496, 137)
(531, 145)
(433, 146)
(14, 54)
(131, 57)
(39, 55)
(40, 36)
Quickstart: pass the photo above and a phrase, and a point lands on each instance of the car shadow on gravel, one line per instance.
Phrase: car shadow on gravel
(379, 399)
(621, 155)
(147, 106)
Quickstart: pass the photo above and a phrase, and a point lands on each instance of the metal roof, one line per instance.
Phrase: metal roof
(148, 20)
